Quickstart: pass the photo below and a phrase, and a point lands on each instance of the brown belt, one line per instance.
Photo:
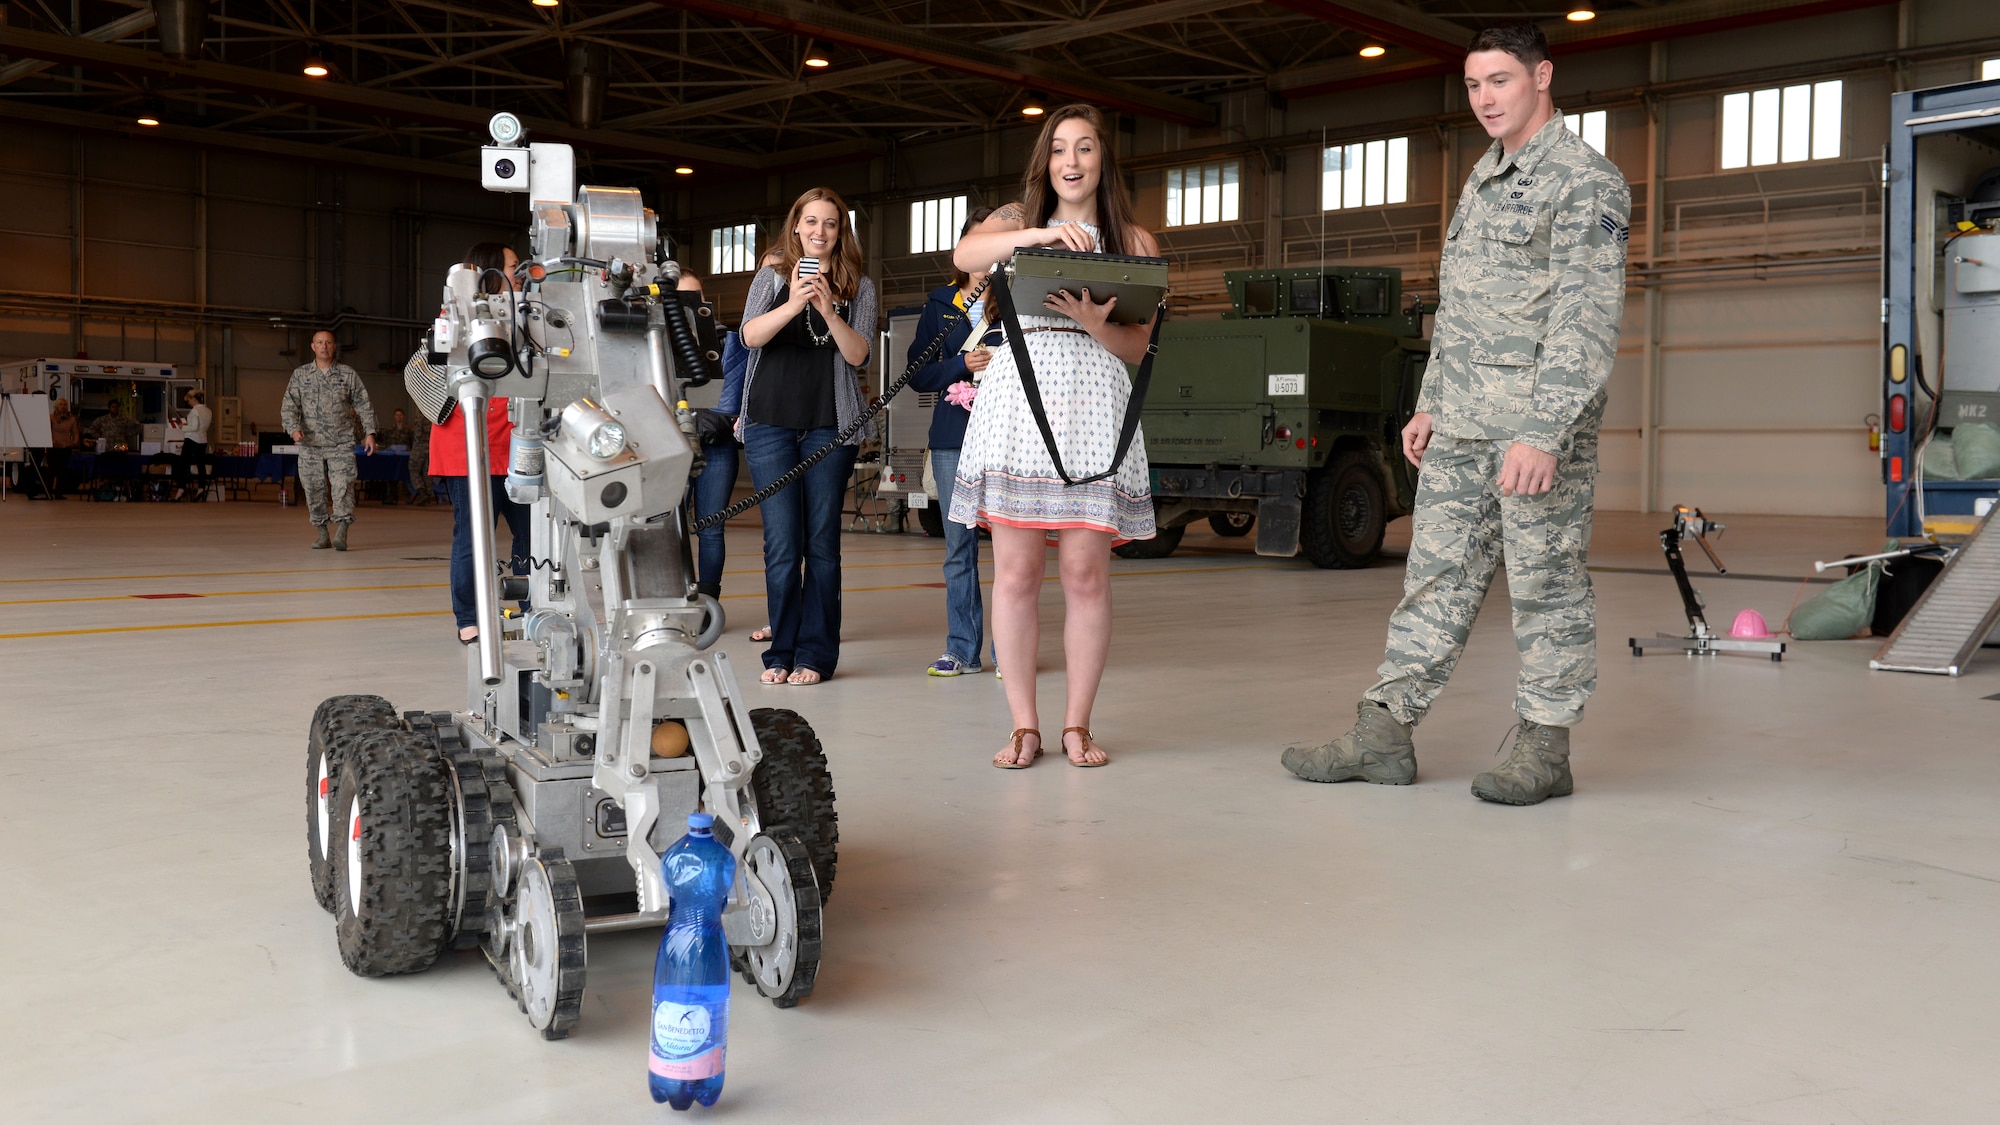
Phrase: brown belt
(1053, 328)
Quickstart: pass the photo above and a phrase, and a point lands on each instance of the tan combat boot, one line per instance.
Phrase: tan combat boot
(1377, 750)
(322, 543)
(1537, 769)
(340, 536)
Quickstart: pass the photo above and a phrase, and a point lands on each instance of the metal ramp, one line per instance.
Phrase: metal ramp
(1948, 624)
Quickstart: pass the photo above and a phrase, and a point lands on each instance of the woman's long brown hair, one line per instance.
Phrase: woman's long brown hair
(1114, 205)
(843, 272)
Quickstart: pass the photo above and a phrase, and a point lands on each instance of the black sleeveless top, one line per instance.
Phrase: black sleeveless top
(794, 384)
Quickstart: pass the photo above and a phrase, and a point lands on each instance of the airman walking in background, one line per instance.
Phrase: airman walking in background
(1531, 292)
(315, 413)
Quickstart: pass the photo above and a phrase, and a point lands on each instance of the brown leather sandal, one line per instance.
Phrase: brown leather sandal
(1014, 761)
(1084, 749)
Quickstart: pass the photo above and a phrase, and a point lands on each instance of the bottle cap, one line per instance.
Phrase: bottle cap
(701, 820)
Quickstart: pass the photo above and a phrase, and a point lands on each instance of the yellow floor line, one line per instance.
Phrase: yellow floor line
(228, 594)
(224, 624)
(222, 573)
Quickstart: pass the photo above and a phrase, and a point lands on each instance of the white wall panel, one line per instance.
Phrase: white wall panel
(1800, 474)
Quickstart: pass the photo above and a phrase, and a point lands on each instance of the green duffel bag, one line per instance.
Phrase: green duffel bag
(1839, 611)
(1941, 458)
(1977, 447)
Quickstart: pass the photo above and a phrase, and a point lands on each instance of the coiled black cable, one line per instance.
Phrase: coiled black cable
(792, 475)
(686, 351)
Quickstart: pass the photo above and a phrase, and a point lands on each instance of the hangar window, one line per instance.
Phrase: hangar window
(733, 249)
(1203, 193)
(1368, 174)
(1989, 70)
(1782, 125)
(1589, 126)
(934, 224)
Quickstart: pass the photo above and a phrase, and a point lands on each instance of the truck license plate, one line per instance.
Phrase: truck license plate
(1286, 384)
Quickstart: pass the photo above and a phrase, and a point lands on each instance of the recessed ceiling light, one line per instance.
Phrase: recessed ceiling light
(1374, 51)
(683, 170)
(316, 66)
(1582, 13)
(148, 118)
(816, 57)
(546, 3)
(1033, 106)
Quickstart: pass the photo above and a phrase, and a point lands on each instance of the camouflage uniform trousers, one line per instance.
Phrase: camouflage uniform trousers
(421, 487)
(1461, 530)
(324, 469)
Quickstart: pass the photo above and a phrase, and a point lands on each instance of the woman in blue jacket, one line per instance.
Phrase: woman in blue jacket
(716, 427)
(954, 373)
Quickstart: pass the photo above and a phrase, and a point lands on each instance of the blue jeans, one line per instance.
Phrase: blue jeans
(964, 615)
(711, 495)
(464, 603)
(801, 530)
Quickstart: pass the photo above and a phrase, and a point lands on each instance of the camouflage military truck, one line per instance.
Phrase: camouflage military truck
(1284, 415)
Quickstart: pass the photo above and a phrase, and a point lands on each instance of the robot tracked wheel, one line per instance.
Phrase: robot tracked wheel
(539, 810)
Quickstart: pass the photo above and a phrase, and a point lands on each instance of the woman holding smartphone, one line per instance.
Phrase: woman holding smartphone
(809, 324)
(1072, 198)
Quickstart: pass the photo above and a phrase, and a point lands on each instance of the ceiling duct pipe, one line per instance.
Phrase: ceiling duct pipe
(589, 73)
(182, 23)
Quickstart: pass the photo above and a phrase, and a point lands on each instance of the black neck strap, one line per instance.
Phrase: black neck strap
(1003, 296)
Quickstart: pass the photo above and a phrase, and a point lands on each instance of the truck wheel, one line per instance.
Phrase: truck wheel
(1232, 525)
(794, 788)
(1159, 546)
(392, 863)
(931, 520)
(334, 726)
(1344, 514)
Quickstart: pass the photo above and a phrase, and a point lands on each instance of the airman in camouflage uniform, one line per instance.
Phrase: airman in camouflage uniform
(399, 435)
(1531, 292)
(422, 489)
(118, 431)
(315, 413)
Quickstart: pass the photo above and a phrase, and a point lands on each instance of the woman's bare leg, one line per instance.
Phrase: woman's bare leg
(1084, 560)
(1018, 561)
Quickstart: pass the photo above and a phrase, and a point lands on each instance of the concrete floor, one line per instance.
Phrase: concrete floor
(1772, 899)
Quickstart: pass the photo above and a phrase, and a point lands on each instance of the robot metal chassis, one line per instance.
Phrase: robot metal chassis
(596, 719)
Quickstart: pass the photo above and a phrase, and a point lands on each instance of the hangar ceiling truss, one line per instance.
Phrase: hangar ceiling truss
(724, 86)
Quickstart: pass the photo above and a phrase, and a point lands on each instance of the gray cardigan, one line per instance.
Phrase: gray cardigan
(862, 315)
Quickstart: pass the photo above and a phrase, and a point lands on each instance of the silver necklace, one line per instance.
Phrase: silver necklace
(817, 339)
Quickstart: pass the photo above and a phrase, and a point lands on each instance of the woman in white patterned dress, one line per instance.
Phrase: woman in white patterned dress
(1072, 198)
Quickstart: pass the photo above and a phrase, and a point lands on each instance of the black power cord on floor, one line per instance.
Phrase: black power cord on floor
(792, 475)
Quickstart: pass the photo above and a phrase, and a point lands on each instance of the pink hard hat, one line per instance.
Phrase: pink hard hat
(1750, 625)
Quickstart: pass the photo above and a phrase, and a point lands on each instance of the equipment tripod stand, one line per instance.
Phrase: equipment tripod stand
(1700, 639)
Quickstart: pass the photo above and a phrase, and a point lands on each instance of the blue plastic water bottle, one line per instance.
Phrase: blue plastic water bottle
(691, 977)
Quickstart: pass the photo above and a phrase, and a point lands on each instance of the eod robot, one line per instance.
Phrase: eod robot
(596, 719)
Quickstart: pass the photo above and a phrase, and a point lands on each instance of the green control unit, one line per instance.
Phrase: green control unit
(1285, 414)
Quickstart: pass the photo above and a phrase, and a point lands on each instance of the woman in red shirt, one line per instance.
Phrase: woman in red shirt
(448, 466)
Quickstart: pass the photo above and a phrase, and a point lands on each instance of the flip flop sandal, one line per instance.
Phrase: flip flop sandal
(766, 679)
(1014, 761)
(1084, 734)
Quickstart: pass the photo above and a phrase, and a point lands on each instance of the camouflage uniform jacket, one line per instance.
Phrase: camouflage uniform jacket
(317, 402)
(1531, 292)
(118, 431)
(398, 435)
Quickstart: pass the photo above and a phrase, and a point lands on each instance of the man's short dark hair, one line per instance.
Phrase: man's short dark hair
(1524, 41)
